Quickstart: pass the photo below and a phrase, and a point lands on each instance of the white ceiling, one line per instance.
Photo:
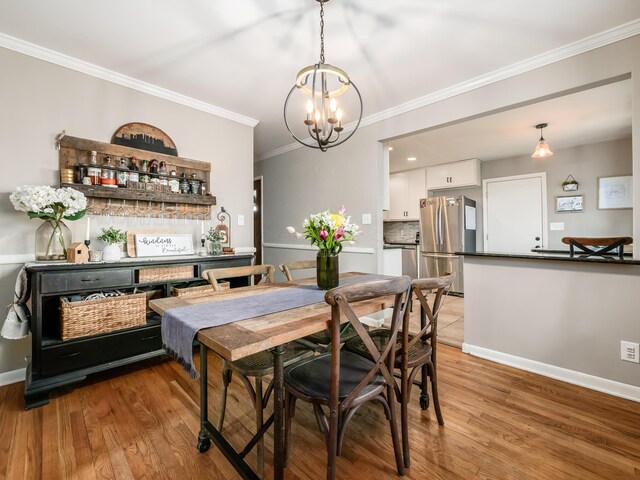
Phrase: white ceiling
(590, 116)
(242, 55)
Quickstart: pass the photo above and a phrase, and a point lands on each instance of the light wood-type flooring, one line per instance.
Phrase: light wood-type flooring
(500, 423)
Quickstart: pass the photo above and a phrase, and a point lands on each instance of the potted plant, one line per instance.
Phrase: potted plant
(114, 238)
(214, 241)
(328, 231)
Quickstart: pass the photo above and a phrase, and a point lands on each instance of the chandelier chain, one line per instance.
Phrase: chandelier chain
(321, 31)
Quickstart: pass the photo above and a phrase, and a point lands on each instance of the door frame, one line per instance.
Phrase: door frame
(543, 186)
(260, 178)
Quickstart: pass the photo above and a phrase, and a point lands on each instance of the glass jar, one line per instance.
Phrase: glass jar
(194, 184)
(144, 172)
(123, 173)
(174, 183)
(108, 175)
(185, 186)
(163, 172)
(134, 174)
(93, 171)
(327, 270)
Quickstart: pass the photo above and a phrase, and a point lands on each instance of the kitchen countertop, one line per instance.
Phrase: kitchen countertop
(609, 259)
(391, 246)
(402, 244)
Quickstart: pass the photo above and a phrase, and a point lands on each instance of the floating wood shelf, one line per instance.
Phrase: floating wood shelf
(77, 151)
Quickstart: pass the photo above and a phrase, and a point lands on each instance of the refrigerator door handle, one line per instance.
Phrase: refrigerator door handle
(439, 225)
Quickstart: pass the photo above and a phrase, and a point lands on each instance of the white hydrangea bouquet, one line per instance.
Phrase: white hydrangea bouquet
(328, 231)
(52, 205)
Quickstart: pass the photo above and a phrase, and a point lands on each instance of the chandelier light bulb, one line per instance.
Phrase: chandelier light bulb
(339, 114)
(317, 116)
(309, 107)
(333, 105)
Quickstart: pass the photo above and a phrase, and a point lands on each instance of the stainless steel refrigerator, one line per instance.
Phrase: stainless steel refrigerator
(447, 225)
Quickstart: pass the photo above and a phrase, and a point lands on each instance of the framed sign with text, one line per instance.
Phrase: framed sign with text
(158, 245)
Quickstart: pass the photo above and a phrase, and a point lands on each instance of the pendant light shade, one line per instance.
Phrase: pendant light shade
(315, 107)
(542, 149)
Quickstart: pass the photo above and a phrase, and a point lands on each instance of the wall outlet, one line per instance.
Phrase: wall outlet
(240, 220)
(366, 219)
(630, 352)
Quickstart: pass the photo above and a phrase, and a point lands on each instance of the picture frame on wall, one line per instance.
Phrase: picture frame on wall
(615, 192)
(569, 204)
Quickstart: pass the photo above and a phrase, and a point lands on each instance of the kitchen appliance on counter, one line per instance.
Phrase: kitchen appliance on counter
(447, 225)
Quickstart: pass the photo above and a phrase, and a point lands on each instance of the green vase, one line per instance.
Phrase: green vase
(327, 270)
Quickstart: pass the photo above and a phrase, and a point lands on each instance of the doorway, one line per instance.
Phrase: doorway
(257, 221)
(515, 213)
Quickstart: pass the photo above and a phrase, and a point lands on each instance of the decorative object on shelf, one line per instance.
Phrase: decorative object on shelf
(569, 204)
(145, 137)
(95, 255)
(78, 253)
(52, 205)
(114, 238)
(224, 227)
(615, 192)
(570, 184)
(320, 86)
(328, 231)
(152, 245)
(214, 241)
(542, 149)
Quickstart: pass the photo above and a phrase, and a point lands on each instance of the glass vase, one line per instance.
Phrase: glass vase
(327, 270)
(214, 248)
(52, 239)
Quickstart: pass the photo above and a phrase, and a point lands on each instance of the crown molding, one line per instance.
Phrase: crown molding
(592, 42)
(57, 58)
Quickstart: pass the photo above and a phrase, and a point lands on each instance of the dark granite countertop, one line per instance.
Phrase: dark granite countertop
(555, 256)
(406, 244)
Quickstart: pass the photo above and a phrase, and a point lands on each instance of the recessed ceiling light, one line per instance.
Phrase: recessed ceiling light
(411, 159)
(390, 148)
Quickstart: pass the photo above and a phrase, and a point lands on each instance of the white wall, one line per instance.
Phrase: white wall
(566, 315)
(39, 99)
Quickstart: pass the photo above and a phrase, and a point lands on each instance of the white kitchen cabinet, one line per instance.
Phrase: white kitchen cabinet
(392, 261)
(405, 191)
(454, 175)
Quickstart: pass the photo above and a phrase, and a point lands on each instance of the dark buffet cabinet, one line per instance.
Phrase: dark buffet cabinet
(55, 362)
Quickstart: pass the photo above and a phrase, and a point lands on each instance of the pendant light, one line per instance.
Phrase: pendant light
(318, 110)
(542, 149)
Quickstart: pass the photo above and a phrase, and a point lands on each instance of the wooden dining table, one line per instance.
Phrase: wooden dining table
(240, 339)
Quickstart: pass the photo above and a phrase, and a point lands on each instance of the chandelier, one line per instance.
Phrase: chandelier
(318, 90)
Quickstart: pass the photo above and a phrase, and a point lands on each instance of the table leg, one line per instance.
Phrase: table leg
(278, 413)
(204, 440)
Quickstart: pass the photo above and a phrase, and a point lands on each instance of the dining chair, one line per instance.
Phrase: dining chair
(320, 341)
(414, 351)
(342, 381)
(257, 365)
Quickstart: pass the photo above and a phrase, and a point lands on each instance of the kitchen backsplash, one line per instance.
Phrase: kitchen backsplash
(400, 232)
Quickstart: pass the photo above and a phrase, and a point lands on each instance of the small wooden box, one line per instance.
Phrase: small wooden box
(77, 253)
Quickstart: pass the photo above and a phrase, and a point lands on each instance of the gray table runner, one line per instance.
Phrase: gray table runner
(181, 324)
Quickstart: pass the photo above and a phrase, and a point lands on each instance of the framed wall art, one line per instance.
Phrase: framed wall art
(569, 204)
(615, 192)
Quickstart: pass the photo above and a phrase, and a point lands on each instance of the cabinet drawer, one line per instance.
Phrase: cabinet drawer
(86, 279)
(80, 354)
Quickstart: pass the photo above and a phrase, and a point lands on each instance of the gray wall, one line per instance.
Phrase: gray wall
(586, 163)
(302, 181)
(39, 99)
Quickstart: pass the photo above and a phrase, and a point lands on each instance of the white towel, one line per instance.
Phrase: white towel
(16, 326)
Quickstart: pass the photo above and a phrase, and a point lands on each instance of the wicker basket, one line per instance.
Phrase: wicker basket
(102, 315)
(192, 291)
(146, 275)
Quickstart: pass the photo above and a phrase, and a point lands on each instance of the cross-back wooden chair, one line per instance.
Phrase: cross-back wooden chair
(415, 351)
(257, 365)
(320, 341)
(342, 381)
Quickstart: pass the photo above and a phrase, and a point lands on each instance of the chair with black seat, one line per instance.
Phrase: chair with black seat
(414, 352)
(342, 381)
(599, 245)
(320, 340)
(257, 365)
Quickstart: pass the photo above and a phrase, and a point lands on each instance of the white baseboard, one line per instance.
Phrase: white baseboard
(15, 376)
(612, 387)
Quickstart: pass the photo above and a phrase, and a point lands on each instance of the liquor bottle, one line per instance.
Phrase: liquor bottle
(123, 173)
(144, 172)
(78, 173)
(134, 174)
(93, 171)
(153, 170)
(174, 183)
(108, 175)
(163, 172)
(185, 186)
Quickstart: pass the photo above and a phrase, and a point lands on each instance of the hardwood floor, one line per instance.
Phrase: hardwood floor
(500, 423)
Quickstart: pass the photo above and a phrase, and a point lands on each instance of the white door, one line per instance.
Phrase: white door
(515, 213)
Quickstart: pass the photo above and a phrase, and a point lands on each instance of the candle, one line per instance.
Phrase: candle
(87, 235)
(202, 228)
